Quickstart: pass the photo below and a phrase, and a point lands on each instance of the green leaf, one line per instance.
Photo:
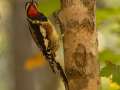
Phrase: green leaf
(116, 74)
(106, 71)
(111, 69)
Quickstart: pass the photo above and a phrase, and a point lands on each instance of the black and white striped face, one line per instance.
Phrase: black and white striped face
(33, 14)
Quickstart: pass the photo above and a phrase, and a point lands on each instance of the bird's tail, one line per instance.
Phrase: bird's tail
(56, 68)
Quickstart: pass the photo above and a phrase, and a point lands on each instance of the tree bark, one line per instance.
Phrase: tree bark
(77, 18)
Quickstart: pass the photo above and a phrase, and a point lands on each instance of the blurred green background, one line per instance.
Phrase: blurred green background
(108, 27)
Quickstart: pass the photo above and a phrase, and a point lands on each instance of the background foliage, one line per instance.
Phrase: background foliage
(108, 25)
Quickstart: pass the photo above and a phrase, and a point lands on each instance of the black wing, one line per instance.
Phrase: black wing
(37, 36)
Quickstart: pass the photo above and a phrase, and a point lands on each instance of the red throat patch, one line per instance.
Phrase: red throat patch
(32, 11)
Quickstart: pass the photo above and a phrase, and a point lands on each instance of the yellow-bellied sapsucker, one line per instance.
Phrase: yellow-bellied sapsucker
(45, 36)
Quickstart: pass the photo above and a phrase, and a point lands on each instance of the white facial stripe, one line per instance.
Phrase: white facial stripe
(34, 21)
(27, 6)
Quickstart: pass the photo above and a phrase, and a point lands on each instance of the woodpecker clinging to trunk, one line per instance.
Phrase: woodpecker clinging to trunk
(45, 36)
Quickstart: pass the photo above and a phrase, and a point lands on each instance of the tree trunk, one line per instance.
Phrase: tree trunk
(21, 47)
(6, 63)
(77, 18)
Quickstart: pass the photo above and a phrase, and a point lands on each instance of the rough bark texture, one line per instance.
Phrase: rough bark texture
(80, 43)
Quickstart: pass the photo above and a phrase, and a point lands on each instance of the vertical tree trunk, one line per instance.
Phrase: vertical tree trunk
(6, 62)
(77, 19)
(22, 47)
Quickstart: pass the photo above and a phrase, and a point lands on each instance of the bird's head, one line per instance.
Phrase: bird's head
(31, 8)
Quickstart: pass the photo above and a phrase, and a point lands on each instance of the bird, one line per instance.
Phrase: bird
(46, 38)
